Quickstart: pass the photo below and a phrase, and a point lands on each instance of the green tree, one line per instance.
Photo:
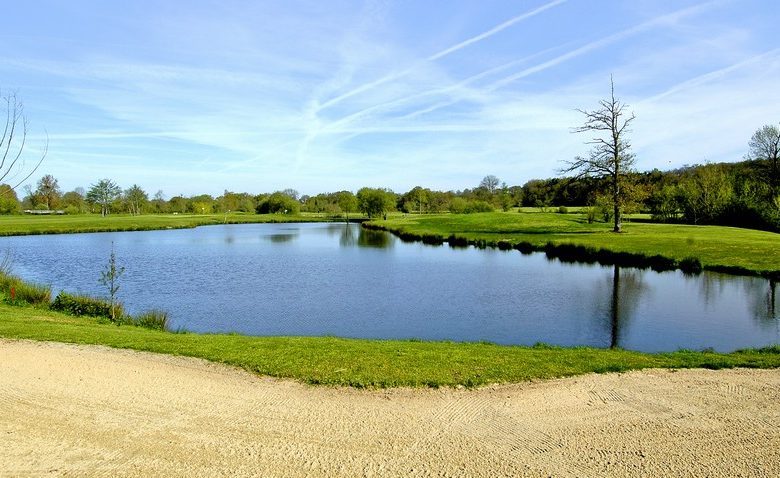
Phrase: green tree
(74, 202)
(705, 193)
(201, 204)
(611, 155)
(158, 203)
(103, 194)
(177, 204)
(417, 200)
(136, 199)
(48, 192)
(279, 203)
(375, 202)
(347, 202)
(9, 203)
(664, 203)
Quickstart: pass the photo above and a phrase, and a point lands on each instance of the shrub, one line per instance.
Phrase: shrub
(457, 241)
(525, 247)
(690, 265)
(30, 293)
(462, 206)
(20, 292)
(479, 206)
(458, 205)
(153, 319)
(591, 213)
(432, 239)
(85, 305)
(563, 210)
(504, 245)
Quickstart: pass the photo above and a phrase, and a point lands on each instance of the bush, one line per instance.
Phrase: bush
(462, 206)
(85, 305)
(479, 206)
(457, 241)
(591, 214)
(20, 292)
(563, 210)
(153, 319)
(690, 265)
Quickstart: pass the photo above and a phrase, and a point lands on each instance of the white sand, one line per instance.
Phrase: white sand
(93, 411)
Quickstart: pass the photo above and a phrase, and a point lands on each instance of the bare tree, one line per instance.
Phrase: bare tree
(765, 145)
(13, 168)
(610, 157)
(490, 183)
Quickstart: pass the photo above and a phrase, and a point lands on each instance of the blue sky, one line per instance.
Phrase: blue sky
(200, 96)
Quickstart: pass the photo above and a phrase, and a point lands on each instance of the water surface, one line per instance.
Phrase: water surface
(337, 279)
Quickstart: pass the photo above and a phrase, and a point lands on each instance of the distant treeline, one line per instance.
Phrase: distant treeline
(740, 194)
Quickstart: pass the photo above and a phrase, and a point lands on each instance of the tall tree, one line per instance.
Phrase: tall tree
(13, 167)
(48, 191)
(765, 145)
(490, 183)
(374, 202)
(104, 193)
(611, 155)
(9, 203)
(347, 202)
(74, 202)
(136, 199)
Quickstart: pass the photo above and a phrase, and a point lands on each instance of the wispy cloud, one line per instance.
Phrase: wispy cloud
(441, 54)
(340, 95)
(772, 57)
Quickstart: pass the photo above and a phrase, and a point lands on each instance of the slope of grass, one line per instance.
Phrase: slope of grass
(366, 363)
(717, 247)
(24, 225)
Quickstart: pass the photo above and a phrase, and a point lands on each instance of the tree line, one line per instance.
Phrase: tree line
(744, 194)
(738, 194)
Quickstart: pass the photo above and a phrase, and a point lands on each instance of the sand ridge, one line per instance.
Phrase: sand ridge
(69, 410)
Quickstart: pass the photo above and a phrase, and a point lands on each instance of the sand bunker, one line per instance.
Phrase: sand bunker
(83, 410)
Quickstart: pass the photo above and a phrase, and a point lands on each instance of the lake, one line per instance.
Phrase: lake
(341, 280)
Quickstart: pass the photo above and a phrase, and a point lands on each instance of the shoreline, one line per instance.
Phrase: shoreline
(565, 250)
(376, 364)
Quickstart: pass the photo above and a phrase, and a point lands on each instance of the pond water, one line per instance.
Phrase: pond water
(338, 279)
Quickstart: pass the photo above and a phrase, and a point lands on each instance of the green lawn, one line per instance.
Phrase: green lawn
(365, 363)
(23, 225)
(714, 246)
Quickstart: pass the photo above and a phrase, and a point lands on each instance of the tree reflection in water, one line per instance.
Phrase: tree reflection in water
(627, 288)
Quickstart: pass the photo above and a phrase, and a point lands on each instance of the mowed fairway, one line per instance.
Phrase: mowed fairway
(65, 224)
(714, 246)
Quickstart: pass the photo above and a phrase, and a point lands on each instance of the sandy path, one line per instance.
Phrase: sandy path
(72, 410)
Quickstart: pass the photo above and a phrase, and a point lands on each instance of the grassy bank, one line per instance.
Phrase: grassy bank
(26, 225)
(365, 363)
(726, 249)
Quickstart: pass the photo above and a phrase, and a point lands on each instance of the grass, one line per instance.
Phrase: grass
(26, 225)
(726, 249)
(366, 363)
(391, 363)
